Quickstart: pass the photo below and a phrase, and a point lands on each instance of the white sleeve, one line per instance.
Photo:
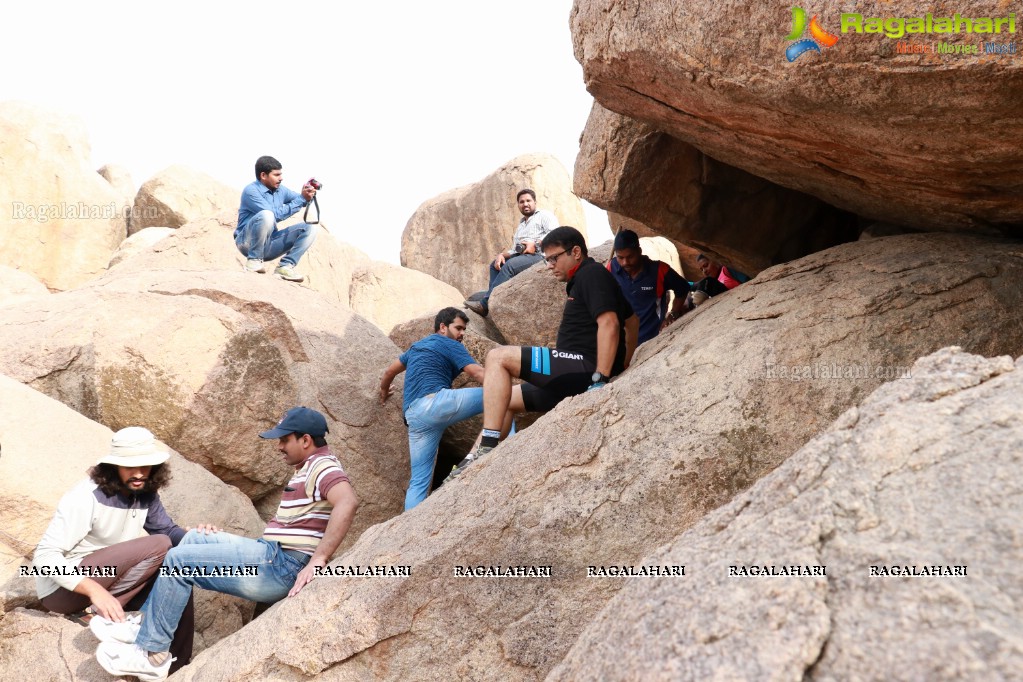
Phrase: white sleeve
(70, 524)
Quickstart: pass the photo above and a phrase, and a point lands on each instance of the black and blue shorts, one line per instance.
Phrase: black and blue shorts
(552, 375)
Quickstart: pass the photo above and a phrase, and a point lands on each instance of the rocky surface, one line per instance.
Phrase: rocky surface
(17, 285)
(139, 242)
(207, 244)
(210, 359)
(42, 437)
(636, 170)
(874, 490)
(60, 220)
(41, 646)
(388, 295)
(527, 308)
(858, 125)
(120, 179)
(609, 476)
(455, 235)
(178, 195)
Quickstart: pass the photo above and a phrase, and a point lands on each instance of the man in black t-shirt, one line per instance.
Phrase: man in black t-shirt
(596, 339)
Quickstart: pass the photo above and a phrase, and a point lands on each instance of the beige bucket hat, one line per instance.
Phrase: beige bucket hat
(134, 446)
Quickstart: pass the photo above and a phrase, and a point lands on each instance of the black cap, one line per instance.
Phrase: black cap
(626, 239)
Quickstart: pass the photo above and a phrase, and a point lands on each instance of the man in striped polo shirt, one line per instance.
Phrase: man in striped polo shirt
(314, 515)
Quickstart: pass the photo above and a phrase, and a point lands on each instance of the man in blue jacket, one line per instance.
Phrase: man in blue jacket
(264, 202)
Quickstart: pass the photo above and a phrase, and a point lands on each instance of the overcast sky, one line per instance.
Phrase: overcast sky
(388, 104)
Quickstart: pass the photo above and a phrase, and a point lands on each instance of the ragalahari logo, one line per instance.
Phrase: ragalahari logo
(818, 36)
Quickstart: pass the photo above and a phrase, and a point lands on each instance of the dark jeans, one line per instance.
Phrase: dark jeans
(512, 266)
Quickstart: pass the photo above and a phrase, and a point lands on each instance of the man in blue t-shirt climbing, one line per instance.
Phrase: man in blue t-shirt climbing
(430, 405)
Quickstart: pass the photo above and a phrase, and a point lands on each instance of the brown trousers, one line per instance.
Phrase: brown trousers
(137, 562)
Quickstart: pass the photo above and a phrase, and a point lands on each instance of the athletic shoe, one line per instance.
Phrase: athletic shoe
(285, 272)
(107, 630)
(478, 296)
(254, 265)
(118, 658)
(477, 307)
(469, 459)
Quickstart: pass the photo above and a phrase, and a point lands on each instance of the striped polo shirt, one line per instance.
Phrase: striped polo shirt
(302, 516)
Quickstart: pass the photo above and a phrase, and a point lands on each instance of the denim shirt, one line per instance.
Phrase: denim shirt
(256, 197)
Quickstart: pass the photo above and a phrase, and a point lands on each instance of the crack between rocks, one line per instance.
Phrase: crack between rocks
(822, 541)
(60, 652)
(58, 370)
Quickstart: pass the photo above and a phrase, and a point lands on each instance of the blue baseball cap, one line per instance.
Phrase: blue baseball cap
(298, 420)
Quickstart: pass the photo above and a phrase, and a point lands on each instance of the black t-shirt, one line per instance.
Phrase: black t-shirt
(592, 291)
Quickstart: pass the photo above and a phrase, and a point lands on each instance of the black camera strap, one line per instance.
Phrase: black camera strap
(305, 216)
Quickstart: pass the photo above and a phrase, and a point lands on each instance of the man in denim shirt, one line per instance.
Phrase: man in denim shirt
(264, 202)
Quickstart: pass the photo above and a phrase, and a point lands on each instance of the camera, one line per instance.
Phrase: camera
(315, 184)
(520, 248)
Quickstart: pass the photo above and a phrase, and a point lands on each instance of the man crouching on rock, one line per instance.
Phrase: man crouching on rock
(96, 549)
(314, 515)
(264, 202)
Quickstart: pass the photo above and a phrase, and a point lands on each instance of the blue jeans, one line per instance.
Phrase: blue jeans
(427, 418)
(511, 267)
(261, 240)
(275, 573)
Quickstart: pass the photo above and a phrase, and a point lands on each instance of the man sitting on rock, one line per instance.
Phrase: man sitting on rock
(315, 512)
(596, 340)
(429, 404)
(524, 252)
(114, 519)
(264, 202)
(646, 283)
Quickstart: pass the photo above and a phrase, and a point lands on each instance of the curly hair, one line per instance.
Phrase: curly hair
(108, 479)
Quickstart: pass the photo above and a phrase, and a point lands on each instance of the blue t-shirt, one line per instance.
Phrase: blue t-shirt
(641, 293)
(431, 364)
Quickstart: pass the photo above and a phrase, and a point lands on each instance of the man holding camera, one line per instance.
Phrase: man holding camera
(264, 202)
(525, 251)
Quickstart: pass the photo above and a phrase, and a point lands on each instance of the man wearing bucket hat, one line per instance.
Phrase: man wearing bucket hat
(109, 536)
(315, 512)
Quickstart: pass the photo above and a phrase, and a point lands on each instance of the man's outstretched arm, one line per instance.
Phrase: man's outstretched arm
(345, 502)
(393, 370)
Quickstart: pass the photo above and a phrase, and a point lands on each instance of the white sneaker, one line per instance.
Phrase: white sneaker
(109, 631)
(118, 658)
(288, 273)
(255, 265)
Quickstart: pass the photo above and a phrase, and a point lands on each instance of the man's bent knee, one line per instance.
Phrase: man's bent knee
(507, 357)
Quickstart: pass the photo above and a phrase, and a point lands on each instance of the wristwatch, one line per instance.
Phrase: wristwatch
(597, 378)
